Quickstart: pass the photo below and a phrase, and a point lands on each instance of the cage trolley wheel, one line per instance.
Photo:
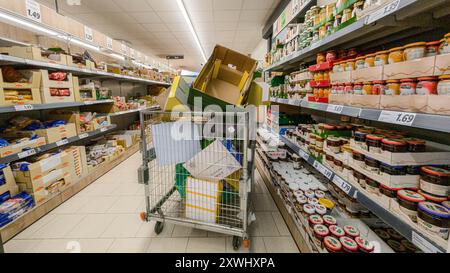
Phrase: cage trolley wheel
(159, 226)
(238, 242)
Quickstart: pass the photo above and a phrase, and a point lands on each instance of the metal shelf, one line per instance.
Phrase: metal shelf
(51, 146)
(135, 111)
(409, 232)
(49, 106)
(78, 71)
(372, 29)
(300, 14)
(422, 121)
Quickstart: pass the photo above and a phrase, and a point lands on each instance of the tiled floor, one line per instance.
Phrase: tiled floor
(104, 218)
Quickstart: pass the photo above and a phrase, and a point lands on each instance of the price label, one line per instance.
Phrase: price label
(304, 155)
(83, 136)
(89, 102)
(33, 10)
(291, 102)
(386, 10)
(27, 153)
(401, 118)
(23, 107)
(424, 244)
(323, 170)
(103, 129)
(109, 43)
(62, 142)
(342, 184)
(88, 35)
(337, 109)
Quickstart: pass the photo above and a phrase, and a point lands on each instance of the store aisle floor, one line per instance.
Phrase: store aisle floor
(104, 217)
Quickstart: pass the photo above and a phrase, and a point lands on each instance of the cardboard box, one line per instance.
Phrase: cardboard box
(78, 154)
(259, 94)
(27, 92)
(48, 84)
(340, 99)
(56, 134)
(10, 185)
(175, 97)
(436, 154)
(341, 77)
(442, 65)
(365, 101)
(225, 79)
(86, 65)
(368, 74)
(410, 69)
(411, 103)
(439, 105)
(33, 53)
(17, 148)
(203, 200)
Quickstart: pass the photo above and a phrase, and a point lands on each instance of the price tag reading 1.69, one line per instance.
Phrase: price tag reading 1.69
(401, 118)
(323, 170)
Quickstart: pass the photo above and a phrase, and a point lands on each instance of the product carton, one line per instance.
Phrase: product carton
(410, 69)
(438, 104)
(412, 103)
(368, 74)
(33, 53)
(10, 187)
(442, 66)
(85, 93)
(203, 199)
(17, 148)
(48, 84)
(78, 154)
(365, 101)
(174, 97)
(340, 99)
(26, 92)
(56, 134)
(341, 77)
(224, 80)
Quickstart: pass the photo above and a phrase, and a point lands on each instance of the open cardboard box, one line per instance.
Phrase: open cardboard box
(33, 53)
(55, 134)
(84, 93)
(365, 101)
(78, 154)
(10, 185)
(368, 74)
(175, 97)
(341, 77)
(225, 79)
(410, 69)
(411, 103)
(442, 66)
(436, 154)
(30, 89)
(438, 104)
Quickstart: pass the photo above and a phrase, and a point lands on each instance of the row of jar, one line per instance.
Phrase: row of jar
(420, 86)
(431, 212)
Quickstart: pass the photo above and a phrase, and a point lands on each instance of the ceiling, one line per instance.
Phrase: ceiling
(157, 27)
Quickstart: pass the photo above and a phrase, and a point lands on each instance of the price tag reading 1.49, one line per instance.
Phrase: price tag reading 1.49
(323, 170)
(401, 118)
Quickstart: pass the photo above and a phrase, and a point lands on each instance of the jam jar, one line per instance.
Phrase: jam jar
(381, 58)
(396, 55)
(379, 88)
(350, 65)
(432, 48)
(435, 180)
(360, 137)
(369, 61)
(408, 201)
(388, 192)
(434, 218)
(321, 58)
(427, 86)
(372, 165)
(367, 88)
(334, 88)
(372, 186)
(443, 87)
(408, 87)
(339, 165)
(392, 170)
(348, 88)
(374, 143)
(334, 144)
(359, 159)
(392, 88)
(394, 145)
(414, 51)
(359, 63)
(358, 88)
(337, 67)
(360, 178)
(332, 245)
(445, 45)
(416, 145)
(331, 56)
(348, 245)
(330, 160)
(432, 198)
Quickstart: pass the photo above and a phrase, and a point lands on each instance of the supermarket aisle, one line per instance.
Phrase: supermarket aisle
(104, 218)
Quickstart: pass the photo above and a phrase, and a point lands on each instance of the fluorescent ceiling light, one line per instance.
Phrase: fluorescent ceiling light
(25, 23)
(84, 44)
(117, 56)
(191, 28)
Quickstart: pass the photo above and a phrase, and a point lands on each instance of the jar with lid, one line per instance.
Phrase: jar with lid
(369, 61)
(330, 160)
(392, 170)
(334, 144)
(359, 63)
(445, 45)
(360, 178)
(416, 145)
(432, 48)
(392, 88)
(358, 88)
(326, 76)
(337, 67)
(337, 20)
(359, 159)
(341, 89)
(408, 202)
(339, 165)
(414, 51)
(434, 218)
(348, 88)
(319, 142)
(427, 86)
(360, 137)
(374, 143)
(372, 165)
(443, 87)
(394, 145)
(346, 15)
(372, 186)
(296, 162)
(435, 181)
(350, 65)
(315, 220)
(321, 58)
(357, 8)
(379, 88)
(396, 55)
(364, 245)
(390, 193)
(408, 87)
(334, 88)
(367, 88)
(381, 58)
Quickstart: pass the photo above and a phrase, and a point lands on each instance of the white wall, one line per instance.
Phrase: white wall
(259, 53)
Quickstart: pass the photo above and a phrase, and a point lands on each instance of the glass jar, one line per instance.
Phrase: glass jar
(337, 20)
(409, 201)
(408, 87)
(427, 86)
(352, 53)
(374, 143)
(396, 55)
(339, 165)
(367, 88)
(321, 58)
(394, 145)
(348, 89)
(360, 178)
(369, 61)
(346, 15)
(372, 186)
(392, 170)
(359, 159)
(372, 165)
(392, 88)
(350, 65)
(445, 45)
(337, 67)
(359, 63)
(443, 87)
(416, 145)
(414, 51)
(379, 88)
(341, 89)
(381, 58)
(334, 144)
(334, 89)
(326, 76)
(358, 88)
(432, 48)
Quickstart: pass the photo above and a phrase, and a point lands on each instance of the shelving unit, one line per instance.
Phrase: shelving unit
(377, 28)
(49, 106)
(422, 121)
(412, 234)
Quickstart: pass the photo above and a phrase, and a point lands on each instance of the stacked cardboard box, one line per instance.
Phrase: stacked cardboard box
(8, 186)
(78, 154)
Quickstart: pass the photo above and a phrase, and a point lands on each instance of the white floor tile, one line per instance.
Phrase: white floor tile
(92, 226)
(168, 245)
(20, 246)
(147, 230)
(182, 231)
(280, 245)
(98, 204)
(59, 227)
(123, 226)
(31, 230)
(71, 206)
(130, 245)
(206, 245)
(281, 225)
(264, 225)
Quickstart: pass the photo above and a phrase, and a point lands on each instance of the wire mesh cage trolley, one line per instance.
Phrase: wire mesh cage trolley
(198, 171)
